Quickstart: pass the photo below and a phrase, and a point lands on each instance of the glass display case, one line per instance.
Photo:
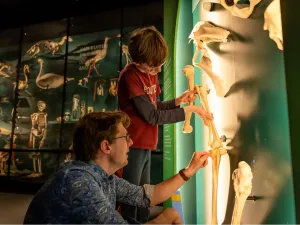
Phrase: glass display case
(51, 75)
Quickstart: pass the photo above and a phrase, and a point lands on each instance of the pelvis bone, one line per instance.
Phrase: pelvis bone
(235, 10)
(202, 34)
(273, 23)
(242, 181)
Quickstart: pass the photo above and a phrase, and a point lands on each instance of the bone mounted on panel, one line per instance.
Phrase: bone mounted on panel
(273, 23)
(244, 12)
(202, 34)
(189, 73)
(216, 151)
(242, 181)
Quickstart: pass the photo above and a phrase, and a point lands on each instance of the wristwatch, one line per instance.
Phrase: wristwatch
(184, 177)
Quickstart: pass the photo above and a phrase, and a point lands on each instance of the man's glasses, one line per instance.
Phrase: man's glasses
(127, 137)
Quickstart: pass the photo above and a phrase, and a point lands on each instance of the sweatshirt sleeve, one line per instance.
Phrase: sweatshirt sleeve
(157, 116)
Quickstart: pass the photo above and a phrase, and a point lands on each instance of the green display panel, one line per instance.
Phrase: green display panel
(185, 142)
(170, 9)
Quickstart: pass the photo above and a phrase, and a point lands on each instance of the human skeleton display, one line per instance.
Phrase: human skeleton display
(273, 23)
(38, 133)
(242, 182)
(202, 34)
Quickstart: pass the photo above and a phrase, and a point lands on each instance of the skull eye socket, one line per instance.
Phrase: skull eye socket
(229, 2)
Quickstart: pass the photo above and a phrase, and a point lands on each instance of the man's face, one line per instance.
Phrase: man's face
(120, 147)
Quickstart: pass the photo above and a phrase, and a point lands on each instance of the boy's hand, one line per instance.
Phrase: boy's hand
(185, 97)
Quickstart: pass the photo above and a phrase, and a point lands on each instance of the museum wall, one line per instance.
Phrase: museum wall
(252, 114)
(51, 75)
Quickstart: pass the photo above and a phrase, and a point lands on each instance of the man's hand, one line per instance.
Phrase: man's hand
(185, 97)
(199, 160)
(168, 216)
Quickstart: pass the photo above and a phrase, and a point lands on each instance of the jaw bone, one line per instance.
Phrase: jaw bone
(202, 34)
(188, 71)
(242, 181)
(240, 12)
(273, 23)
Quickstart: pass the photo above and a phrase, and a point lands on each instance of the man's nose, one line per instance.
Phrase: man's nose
(130, 142)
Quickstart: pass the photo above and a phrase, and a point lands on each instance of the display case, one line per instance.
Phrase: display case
(51, 75)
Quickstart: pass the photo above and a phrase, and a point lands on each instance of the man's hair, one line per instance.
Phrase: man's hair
(147, 45)
(93, 128)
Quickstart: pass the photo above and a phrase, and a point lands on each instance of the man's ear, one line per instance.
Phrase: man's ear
(105, 147)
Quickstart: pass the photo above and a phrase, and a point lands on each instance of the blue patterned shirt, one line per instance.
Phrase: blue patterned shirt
(83, 193)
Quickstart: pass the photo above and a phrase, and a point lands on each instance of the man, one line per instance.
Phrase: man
(86, 190)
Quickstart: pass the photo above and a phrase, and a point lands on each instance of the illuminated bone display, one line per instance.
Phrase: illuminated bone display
(273, 23)
(242, 182)
(189, 73)
(202, 34)
(235, 10)
(217, 149)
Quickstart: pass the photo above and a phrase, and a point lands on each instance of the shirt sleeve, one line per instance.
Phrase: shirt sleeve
(155, 116)
(166, 105)
(88, 203)
(133, 195)
(134, 84)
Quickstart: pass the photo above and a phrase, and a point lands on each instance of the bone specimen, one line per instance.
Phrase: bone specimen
(113, 87)
(202, 34)
(126, 53)
(99, 55)
(217, 150)
(238, 11)
(23, 84)
(98, 88)
(7, 67)
(242, 181)
(51, 46)
(273, 23)
(49, 80)
(189, 73)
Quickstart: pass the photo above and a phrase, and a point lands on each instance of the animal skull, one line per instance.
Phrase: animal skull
(235, 10)
(273, 23)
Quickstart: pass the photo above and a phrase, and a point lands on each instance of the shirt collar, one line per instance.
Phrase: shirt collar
(97, 169)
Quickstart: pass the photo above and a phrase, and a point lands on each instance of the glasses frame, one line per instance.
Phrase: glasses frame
(127, 137)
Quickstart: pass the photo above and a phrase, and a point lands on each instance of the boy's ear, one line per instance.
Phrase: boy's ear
(105, 147)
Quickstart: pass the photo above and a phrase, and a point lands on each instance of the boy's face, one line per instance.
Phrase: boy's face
(143, 67)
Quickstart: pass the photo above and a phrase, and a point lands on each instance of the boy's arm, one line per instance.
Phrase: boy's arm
(166, 105)
(157, 116)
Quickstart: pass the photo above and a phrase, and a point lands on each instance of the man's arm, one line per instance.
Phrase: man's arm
(155, 116)
(165, 189)
(133, 195)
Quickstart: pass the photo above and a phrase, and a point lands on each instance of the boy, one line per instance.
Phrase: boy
(138, 90)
